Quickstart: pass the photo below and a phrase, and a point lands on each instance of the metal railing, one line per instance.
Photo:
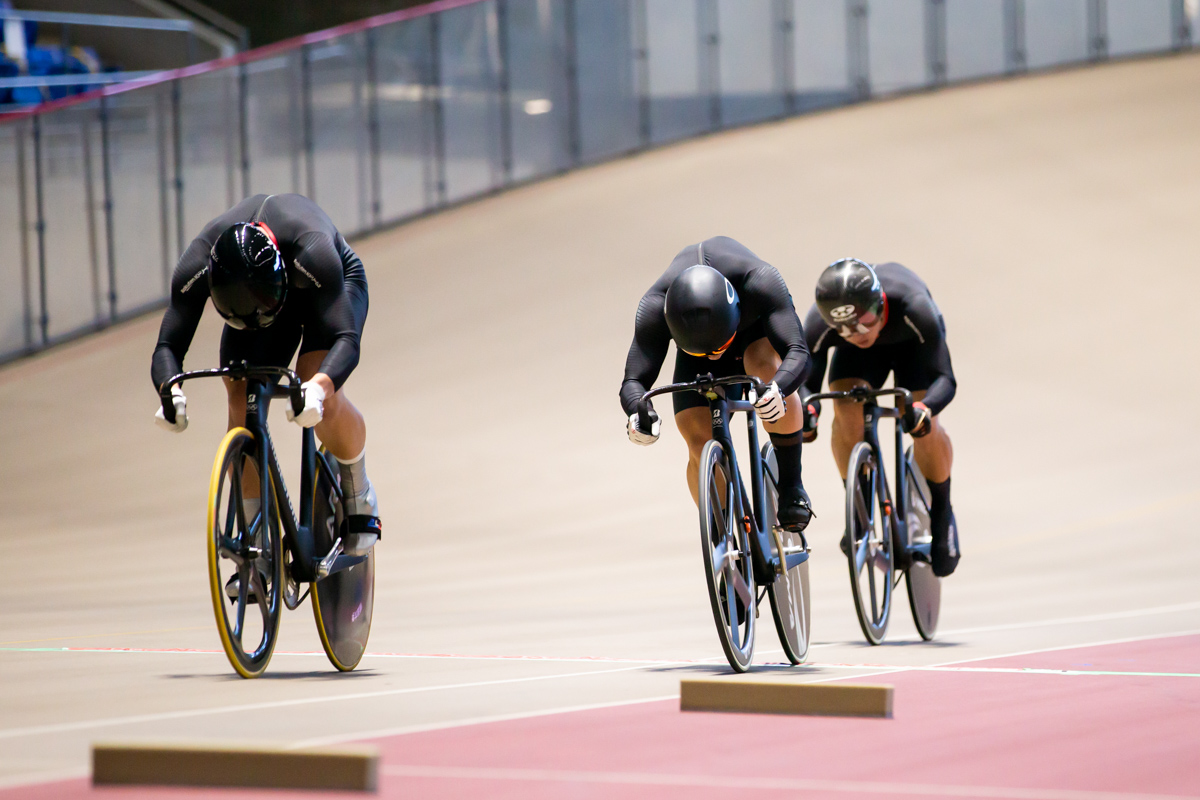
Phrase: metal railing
(403, 114)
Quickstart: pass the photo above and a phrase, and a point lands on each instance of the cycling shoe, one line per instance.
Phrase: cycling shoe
(366, 508)
(795, 509)
(945, 553)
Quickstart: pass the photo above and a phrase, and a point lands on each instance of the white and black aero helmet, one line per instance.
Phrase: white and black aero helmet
(849, 296)
(702, 311)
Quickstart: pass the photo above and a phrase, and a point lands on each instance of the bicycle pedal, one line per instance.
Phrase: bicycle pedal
(326, 563)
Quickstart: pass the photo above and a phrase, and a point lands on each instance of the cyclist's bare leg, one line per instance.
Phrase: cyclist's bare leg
(343, 430)
(695, 425)
(763, 362)
(934, 452)
(237, 418)
(847, 423)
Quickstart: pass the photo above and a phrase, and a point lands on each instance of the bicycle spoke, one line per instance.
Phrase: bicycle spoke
(243, 588)
(260, 594)
(731, 604)
(738, 584)
(874, 600)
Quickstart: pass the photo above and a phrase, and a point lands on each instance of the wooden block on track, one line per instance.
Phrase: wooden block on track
(342, 769)
(780, 697)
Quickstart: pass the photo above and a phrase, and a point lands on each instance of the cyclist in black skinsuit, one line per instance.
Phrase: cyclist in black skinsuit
(282, 276)
(878, 320)
(729, 313)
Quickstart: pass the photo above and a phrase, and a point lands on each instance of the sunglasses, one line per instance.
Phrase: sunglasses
(859, 326)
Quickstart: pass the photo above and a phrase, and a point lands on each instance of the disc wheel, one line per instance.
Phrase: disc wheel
(924, 588)
(344, 601)
(868, 530)
(725, 544)
(789, 592)
(245, 557)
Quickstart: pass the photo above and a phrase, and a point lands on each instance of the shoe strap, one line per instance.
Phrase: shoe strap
(362, 523)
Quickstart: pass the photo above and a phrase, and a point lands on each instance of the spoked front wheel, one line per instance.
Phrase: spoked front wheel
(869, 536)
(789, 592)
(245, 557)
(924, 588)
(344, 601)
(725, 544)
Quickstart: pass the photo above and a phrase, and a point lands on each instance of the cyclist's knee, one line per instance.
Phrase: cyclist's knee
(236, 390)
(695, 426)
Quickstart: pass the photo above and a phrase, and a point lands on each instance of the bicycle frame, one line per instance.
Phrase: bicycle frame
(261, 387)
(720, 407)
(897, 512)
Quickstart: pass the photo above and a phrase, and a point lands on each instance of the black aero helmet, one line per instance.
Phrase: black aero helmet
(246, 276)
(849, 296)
(702, 311)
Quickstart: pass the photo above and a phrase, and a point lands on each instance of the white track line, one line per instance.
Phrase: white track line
(1013, 626)
(778, 784)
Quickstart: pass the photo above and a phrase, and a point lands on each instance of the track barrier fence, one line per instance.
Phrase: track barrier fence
(396, 116)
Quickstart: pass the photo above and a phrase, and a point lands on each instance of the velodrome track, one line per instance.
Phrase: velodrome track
(535, 562)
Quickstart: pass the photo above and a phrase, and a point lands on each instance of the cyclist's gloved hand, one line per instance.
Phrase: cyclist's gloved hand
(918, 419)
(812, 411)
(770, 406)
(180, 403)
(638, 437)
(314, 406)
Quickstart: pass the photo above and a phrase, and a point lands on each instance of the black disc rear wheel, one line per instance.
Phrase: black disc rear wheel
(344, 601)
(924, 588)
(789, 592)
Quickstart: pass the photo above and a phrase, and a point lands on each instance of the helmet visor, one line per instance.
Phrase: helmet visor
(720, 351)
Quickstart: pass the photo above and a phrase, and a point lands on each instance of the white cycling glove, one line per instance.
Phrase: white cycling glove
(314, 406)
(637, 437)
(770, 406)
(180, 403)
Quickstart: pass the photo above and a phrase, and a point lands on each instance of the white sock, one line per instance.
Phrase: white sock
(354, 474)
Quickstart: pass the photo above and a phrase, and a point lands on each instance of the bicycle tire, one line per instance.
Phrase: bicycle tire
(924, 588)
(872, 566)
(789, 593)
(232, 538)
(725, 545)
(343, 602)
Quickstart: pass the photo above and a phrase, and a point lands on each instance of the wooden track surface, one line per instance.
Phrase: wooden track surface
(534, 559)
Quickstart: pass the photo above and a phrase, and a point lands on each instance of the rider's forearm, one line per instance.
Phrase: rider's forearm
(940, 393)
(340, 361)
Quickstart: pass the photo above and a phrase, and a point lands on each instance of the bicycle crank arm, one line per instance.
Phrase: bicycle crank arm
(325, 565)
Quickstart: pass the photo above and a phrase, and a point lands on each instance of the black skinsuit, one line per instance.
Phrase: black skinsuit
(326, 301)
(912, 343)
(766, 310)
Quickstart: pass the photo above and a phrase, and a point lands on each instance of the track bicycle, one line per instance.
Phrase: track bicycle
(886, 540)
(742, 544)
(259, 562)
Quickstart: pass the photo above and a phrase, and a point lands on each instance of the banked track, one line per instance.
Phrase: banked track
(534, 560)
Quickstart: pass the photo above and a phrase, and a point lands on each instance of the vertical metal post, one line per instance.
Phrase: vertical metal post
(306, 115)
(1097, 22)
(165, 179)
(574, 112)
(177, 153)
(23, 212)
(439, 117)
(857, 53)
(106, 171)
(244, 126)
(708, 28)
(89, 195)
(935, 41)
(1181, 28)
(641, 64)
(40, 227)
(1015, 56)
(785, 53)
(373, 132)
(504, 92)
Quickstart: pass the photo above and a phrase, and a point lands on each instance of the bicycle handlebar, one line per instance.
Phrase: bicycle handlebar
(702, 384)
(241, 372)
(859, 394)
